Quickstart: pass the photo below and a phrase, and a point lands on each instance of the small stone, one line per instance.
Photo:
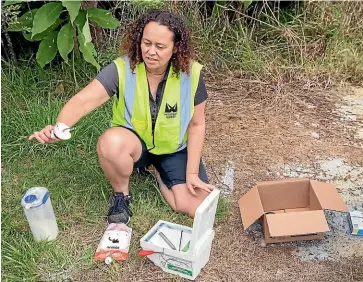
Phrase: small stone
(351, 118)
(315, 125)
(315, 135)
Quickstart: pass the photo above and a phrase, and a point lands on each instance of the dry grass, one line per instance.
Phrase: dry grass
(319, 40)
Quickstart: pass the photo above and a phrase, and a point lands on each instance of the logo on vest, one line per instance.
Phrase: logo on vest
(170, 111)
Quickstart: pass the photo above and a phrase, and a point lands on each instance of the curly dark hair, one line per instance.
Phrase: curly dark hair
(131, 45)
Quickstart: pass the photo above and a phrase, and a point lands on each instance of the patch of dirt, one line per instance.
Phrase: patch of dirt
(275, 132)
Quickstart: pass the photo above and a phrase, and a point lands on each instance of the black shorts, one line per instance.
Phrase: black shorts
(172, 167)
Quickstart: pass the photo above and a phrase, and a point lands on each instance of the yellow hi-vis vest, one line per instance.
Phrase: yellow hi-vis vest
(131, 108)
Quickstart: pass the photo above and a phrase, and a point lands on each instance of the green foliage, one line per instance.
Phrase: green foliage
(102, 17)
(24, 22)
(43, 25)
(86, 32)
(12, 2)
(148, 4)
(30, 37)
(81, 19)
(46, 16)
(73, 8)
(247, 3)
(88, 50)
(65, 41)
(221, 5)
(218, 8)
(84, 38)
(47, 49)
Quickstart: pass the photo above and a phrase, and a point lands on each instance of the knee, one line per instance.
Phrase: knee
(185, 207)
(110, 144)
(188, 203)
(181, 208)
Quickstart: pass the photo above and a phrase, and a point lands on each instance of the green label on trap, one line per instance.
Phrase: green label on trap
(179, 269)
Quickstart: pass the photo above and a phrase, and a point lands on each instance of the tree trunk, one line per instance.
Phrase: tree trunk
(75, 39)
(9, 49)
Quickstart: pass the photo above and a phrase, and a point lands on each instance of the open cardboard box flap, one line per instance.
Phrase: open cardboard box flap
(250, 207)
(328, 196)
(299, 223)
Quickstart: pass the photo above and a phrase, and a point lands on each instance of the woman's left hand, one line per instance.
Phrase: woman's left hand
(193, 182)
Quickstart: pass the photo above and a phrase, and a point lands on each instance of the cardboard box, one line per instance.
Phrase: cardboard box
(290, 209)
(355, 219)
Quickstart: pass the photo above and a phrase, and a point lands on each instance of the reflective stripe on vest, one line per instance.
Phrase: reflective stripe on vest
(132, 109)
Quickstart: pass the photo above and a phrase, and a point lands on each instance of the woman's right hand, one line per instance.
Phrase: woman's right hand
(44, 135)
(85, 101)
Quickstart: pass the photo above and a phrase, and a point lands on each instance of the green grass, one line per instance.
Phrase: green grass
(79, 191)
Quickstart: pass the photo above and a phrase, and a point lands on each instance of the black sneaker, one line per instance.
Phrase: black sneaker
(119, 211)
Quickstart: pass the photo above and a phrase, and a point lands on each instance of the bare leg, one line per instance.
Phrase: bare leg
(118, 148)
(185, 202)
(167, 193)
(179, 197)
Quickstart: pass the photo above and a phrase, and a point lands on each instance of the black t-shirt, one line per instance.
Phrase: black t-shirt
(108, 77)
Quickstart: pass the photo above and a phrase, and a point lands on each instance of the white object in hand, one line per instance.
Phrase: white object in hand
(61, 131)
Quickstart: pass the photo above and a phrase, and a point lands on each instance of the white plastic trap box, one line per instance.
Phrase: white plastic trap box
(185, 251)
(355, 219)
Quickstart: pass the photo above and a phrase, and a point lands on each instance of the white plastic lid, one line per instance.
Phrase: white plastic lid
(62, 131)
(204, 217)
(35, 197)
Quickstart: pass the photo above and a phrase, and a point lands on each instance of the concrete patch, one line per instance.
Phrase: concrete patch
(350, 187)
(351, 114)
(360, 134)
(297, 171)
(336, 244)
(347, 179)
(332, 168)
(352, 109)
(228, 179)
